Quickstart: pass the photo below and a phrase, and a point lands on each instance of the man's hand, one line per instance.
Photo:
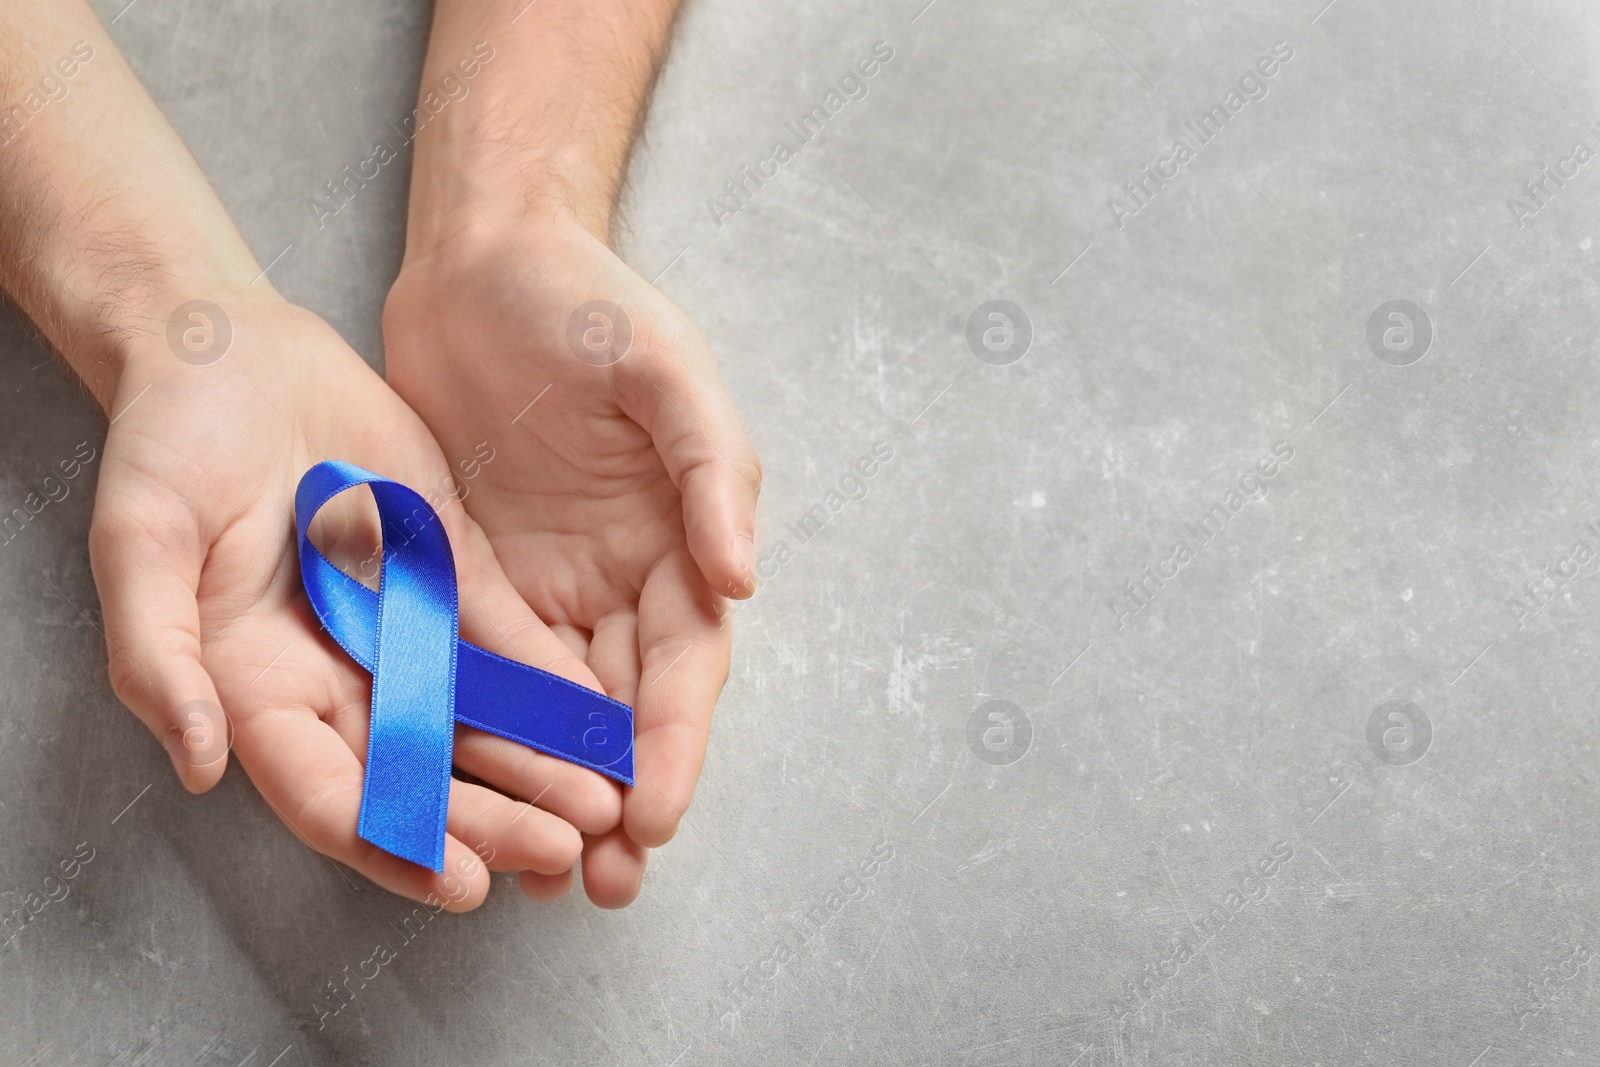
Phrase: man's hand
(624, 508)
(194, 557)
(621, 501)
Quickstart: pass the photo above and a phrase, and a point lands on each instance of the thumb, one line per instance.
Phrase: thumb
(678, 396)
(146, 568)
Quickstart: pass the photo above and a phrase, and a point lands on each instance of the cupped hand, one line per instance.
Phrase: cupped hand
(621, 502)
(193, 550)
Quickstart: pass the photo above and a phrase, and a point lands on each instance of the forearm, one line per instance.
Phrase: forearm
(546, 124)
(106, 222)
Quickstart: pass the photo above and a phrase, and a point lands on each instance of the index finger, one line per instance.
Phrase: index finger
(685, 646)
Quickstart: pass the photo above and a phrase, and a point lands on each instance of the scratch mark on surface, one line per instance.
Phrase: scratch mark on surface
(934, 801)
(1069, 666)
(1337, 873)
(1469, 666)
(131, 803)
(1330, 803)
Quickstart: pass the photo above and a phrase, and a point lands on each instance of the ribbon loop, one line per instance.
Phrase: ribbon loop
(425, 679)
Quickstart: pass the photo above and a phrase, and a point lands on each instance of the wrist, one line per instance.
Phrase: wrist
(455, 203)
(101, 285)
(186, 318)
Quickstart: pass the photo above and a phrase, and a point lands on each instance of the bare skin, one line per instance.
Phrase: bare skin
(622, 504)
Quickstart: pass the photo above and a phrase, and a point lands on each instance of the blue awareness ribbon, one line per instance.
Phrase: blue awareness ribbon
(425, 679)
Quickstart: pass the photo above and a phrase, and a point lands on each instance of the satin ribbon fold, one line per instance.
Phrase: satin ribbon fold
(425, 679)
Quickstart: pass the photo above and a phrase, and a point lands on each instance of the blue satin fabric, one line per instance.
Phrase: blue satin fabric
(425, 679)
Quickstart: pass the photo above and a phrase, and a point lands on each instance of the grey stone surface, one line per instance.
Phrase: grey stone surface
(1432, 911)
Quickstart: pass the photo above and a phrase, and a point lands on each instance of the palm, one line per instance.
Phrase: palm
(584, 501)
(579, 537)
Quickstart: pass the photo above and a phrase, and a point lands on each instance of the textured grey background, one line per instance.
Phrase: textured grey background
(1428, 909)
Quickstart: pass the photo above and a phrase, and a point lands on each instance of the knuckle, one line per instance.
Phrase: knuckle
(749, 469)
(125, 680)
